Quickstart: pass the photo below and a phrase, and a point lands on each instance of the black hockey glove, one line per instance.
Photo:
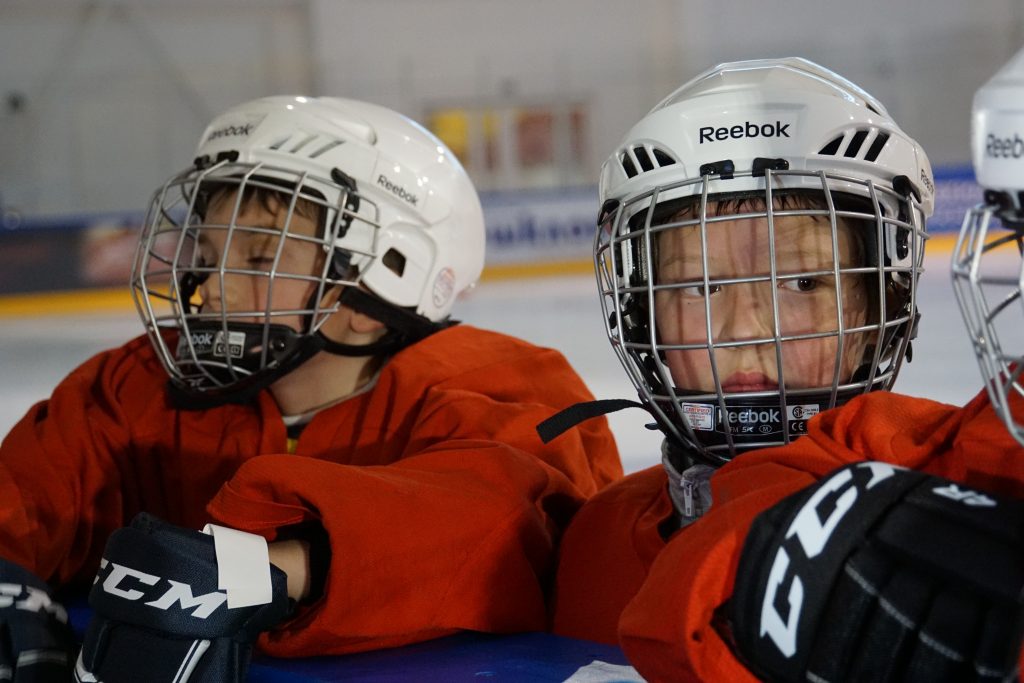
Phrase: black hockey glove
(158, 614)
(36, 644)
(882, 574)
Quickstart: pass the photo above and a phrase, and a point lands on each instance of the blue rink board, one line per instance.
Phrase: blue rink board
(469, 656)
(463, 657)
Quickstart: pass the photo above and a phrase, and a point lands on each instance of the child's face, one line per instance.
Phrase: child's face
(296, 274)
(744, 311)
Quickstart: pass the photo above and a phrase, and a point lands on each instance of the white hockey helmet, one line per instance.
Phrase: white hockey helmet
(402, 231)
(987, 268)
(759, 129)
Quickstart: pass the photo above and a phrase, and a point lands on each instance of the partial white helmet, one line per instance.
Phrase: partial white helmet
(987, 268)
(401, 230)
(755, 132)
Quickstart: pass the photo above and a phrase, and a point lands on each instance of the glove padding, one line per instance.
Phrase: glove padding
(158, 615)
(36, 643)
(882, 574)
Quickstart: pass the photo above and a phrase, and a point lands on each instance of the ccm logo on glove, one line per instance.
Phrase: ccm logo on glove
(33, 600)
(124, 582)
(806, 537)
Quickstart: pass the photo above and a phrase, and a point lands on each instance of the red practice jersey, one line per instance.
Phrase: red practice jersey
(620, 581)
(441, 504)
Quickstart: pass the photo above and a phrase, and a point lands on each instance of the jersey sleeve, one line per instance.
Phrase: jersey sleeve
(59, 481)
(457, 533)
(605, 555)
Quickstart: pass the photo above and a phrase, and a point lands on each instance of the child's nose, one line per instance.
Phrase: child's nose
(210, 293)
(747, 314)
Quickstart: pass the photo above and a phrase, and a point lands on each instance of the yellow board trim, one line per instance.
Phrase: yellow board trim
(68, 302)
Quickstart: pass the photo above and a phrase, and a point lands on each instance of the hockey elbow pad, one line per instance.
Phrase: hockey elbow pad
(158, 614)
(36, 644)
(882, 574)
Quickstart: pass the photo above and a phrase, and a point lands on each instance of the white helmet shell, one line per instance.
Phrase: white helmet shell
(788, 109)
(428, 208)
(997, 131)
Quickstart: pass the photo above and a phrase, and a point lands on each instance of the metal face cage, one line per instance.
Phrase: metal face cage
(217, 351)
(722, 418)
(988, 275)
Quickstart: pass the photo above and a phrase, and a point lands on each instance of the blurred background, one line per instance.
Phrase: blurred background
(102, 100)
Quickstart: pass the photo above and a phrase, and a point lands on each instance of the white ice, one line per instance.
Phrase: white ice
(561, 312)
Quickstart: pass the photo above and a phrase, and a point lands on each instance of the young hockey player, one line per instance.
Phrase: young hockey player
(763, 233)
(296, 284)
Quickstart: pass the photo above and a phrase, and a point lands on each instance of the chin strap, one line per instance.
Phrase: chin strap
(184, 397)
(404, 327)
(567, 418)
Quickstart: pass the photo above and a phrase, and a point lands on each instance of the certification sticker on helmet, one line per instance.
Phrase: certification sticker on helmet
(700, 416)
(444, 286)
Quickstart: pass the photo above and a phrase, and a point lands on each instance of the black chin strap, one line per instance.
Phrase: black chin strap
(185, 398)
(404, 327)
(567, 418)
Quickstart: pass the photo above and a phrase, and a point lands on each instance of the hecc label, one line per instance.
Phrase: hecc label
(700, 417)
(233, 348)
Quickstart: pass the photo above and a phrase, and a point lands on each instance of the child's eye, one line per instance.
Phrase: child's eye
(802, 284)
(699, 291)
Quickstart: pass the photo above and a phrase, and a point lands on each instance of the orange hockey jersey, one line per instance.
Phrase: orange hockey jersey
(441, 504)
(619, 581)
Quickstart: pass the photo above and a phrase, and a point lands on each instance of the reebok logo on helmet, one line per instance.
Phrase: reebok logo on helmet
(396, 189)
(1004, 148)
(747, 129)
(231, 131)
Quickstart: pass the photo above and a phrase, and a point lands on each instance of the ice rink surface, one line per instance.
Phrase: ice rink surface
(560, 312)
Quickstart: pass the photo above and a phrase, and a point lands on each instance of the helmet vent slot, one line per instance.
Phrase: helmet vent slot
(854, 149)
(877, 145)
(643, 158)
(327, 148)
(627, 166)
(855, 143)
(646, 163)
(662, 158)
(302, 143)
(280, 143)
(832, 147)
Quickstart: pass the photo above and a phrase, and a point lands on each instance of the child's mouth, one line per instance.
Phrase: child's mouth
(742, 382)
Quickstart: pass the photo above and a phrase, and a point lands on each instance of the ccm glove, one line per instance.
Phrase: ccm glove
(882, 574)
(158, 614)
(36, 643)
